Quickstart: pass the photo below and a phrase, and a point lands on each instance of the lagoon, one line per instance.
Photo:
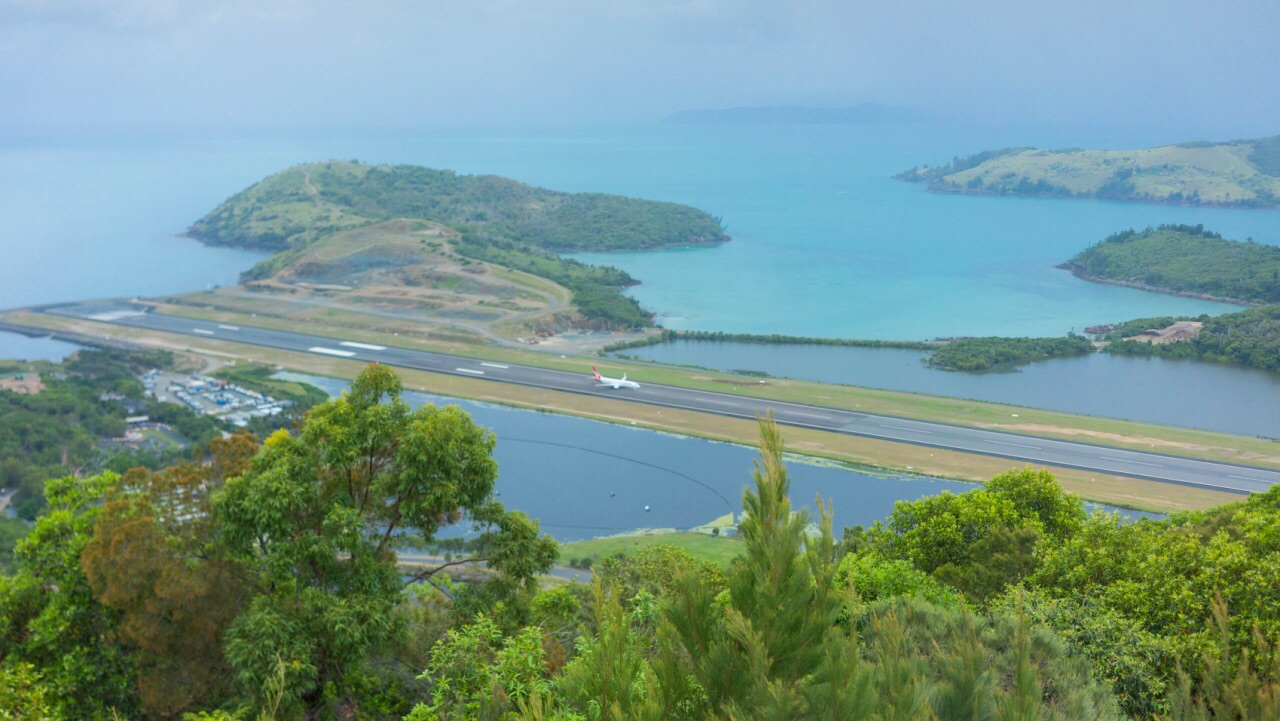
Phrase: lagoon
(1174, 392)
(20, 347)
(584, 479)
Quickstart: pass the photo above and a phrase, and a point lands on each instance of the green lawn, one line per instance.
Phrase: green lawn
(718, 550)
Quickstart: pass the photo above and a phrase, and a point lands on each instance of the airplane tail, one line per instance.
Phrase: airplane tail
(596, 373)
(624, 376)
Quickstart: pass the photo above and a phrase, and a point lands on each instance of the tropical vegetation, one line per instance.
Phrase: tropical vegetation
(1249, 337)
(1185, 259)
(261, 582)
(979, 354)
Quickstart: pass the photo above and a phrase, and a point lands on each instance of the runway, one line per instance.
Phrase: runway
(1020, 448)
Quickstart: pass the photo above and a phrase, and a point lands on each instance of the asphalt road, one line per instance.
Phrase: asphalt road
(1021, 448)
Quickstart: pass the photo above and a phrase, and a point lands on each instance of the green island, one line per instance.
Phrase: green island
(413, 238)
(1184, 260)
(1189, 260)
(1249, 338)
(990, 353)
(264, 580)
(1236, 174)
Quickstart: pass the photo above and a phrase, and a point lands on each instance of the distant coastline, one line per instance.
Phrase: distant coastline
(1234, 174)
(794, 114)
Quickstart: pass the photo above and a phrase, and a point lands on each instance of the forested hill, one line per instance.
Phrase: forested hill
(1187, 260)
(299, 204)
(1240, 173)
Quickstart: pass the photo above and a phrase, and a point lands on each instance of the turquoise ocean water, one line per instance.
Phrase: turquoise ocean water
(825, 243)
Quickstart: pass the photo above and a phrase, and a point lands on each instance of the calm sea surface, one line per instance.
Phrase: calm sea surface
(584, 479)
(1185, 393)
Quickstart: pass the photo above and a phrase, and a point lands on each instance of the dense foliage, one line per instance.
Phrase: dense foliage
(1185, 259)
(1266, 155)
(501, 221)
(1133, 598)
(264, 578)
(978, 354)
(261, 583)
(1250, 338)
(548, 219)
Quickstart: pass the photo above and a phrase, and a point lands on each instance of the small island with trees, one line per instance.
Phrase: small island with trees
(1184, 260)
(408, 238)
(1235, 174)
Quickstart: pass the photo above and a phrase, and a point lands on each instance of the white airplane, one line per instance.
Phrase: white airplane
(614, 383)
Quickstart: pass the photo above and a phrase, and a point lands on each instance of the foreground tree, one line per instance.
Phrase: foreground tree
(154, 559)
(313, 520)
(51, 625)
(786, 640)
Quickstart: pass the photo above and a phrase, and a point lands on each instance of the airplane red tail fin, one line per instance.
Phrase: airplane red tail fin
(596, 373)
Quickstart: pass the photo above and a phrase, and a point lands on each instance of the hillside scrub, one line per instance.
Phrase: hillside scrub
(1237, 174)
(1185, 259)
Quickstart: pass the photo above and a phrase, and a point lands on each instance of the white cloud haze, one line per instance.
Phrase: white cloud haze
(426, 63)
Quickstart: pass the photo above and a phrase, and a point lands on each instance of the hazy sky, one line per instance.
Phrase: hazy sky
(1212, 68)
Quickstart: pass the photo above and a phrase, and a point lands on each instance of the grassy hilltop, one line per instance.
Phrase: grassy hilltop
(1240, 173)
(424, 239)
(297, 205)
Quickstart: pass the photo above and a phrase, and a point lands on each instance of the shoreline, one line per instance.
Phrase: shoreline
(1078, 272)
(944, 190)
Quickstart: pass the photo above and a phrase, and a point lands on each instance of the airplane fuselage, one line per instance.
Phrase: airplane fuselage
(614, 383)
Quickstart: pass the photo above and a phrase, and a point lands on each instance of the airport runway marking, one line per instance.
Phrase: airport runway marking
(806, 415)
(362, 346)
(331, 351)
(902, 428)
(472, 371)
(229, 327)
(1019, 445)
(1124, 460)
(1246, 478)
(202, 331)
(495, 365)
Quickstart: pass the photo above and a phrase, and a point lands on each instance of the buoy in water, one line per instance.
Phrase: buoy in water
(646, 508)
(612, 494)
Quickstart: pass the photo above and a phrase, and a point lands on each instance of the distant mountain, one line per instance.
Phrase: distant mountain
(793, 114)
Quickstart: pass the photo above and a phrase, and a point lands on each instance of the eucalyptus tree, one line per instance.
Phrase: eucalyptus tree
(313, 520)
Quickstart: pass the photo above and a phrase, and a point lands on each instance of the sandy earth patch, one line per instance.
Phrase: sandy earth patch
(29, 384)
(1182, 330)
